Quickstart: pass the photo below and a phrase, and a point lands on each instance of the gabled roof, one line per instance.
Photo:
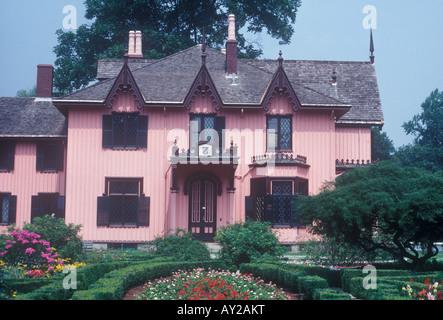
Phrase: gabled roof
(356, 85)
(24, 118)
(168, 81)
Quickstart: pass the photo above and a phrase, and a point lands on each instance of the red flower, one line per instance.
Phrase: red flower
(427, 281)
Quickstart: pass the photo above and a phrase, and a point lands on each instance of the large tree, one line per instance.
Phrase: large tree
(384, 206)
(168, 26)
(427, 127)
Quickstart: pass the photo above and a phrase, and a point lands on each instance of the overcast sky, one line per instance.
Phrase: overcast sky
(408, 37)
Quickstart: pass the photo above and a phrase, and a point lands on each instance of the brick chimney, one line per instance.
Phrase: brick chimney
(135, 45)
(44, 80)
(231, 47)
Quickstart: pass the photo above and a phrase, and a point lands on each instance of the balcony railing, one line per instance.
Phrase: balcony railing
(204, 153)
(279, 159)
(343, 165)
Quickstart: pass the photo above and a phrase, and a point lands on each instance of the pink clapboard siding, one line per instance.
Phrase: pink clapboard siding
(24, 181)
(353, 143)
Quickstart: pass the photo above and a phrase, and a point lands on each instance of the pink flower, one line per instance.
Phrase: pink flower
(24, 241)
(48, 249)
(8, 241)
(8, 246)
(60, 262)
(29, 251)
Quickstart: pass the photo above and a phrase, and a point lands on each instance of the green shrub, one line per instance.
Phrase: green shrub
(182, 246)
(330, 294)
(243, 242)
(308, 284)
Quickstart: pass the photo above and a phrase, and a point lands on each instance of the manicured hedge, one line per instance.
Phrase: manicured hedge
(22, 286)
(332, 276)
(86, 275)
(330, 294)
(308, 284)
(388, 284)
(293, 279)
(348, 274)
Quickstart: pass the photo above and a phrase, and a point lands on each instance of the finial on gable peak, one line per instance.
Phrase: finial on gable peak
(371, 48)
(203, 46)
(280, 59)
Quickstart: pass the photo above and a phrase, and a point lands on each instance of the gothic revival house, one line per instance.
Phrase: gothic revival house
(196, 140)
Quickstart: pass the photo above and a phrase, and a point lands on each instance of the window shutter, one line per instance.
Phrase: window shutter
(35, 207)
(107, 134)
(11, 155)
(12, 209)
(143, 210)
(60, 156)
(60, 213)
(142, 131)
(40, 156)
(220, 124)
(249, 207)
(103, 208)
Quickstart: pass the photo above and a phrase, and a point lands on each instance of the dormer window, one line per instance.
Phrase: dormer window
(125, 131)
(278, 133)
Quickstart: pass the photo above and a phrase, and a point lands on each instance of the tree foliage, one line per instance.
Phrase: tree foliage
(168, 26)
(427, 128)
(382, 148)
(384, 206)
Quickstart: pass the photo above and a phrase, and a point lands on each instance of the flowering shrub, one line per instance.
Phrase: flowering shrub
(27, 248)
(199, 284)
(26, 255)
(433, 291)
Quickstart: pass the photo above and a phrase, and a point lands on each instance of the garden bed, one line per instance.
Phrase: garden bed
(209, 284)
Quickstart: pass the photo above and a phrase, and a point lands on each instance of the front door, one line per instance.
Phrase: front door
(202, 208)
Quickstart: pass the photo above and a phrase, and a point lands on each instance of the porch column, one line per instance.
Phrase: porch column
(231, 194)
(173, 209)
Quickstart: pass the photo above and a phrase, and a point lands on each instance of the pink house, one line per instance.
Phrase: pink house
(196, 140)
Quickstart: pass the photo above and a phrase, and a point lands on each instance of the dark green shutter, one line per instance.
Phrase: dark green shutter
(40, 156)
(143, 210)
(60, 213)
(220, 125)
(107, 133)
(35, 207)
(60, 155)
(12, 209)
(11, 155)
(249, 207)
(142, 132)
(103, 209)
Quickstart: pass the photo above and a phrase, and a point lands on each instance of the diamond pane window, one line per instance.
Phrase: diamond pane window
(125, 130)
(279, 133)
(8, 205)
(123, 197)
